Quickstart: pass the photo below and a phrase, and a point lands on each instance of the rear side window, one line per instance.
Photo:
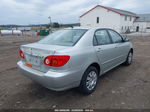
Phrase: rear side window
(116, 38)
(67, 37)
(102, 37)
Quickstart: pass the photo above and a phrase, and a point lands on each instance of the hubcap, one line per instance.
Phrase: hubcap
(91, 80)
(130, 58)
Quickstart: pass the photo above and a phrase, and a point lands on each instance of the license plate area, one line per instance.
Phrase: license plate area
(34, 60)
(28, 64)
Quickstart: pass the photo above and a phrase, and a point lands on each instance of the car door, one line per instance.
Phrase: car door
(121, 46)
(105, 50)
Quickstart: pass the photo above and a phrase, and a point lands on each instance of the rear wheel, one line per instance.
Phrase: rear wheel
(129, 58)
(89, 80)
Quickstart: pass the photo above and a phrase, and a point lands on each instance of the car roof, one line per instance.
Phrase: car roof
(87, 28)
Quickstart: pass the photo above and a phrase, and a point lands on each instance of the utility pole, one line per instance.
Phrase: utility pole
(50, 21)
(50, 28)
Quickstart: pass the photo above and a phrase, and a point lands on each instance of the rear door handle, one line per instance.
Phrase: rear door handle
(99, 49)
(116, 46)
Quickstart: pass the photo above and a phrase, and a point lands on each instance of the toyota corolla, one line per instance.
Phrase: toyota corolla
(74, 57)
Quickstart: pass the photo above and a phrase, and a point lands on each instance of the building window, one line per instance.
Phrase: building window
(125, 18)
(148, 28)
(130, 18)
(97, 20)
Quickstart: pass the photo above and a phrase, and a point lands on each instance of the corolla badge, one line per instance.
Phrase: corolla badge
(29, 50)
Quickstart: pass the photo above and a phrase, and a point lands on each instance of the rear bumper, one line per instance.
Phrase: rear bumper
(53, 80)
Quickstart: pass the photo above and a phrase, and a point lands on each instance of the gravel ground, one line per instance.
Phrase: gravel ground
(122, 87)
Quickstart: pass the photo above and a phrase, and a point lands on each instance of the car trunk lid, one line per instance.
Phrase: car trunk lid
(35, 54)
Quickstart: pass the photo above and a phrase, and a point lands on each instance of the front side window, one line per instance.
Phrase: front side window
(67, 37)
(102, 37)
(116, 38)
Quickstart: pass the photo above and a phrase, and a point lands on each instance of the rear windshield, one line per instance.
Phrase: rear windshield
(67, 37)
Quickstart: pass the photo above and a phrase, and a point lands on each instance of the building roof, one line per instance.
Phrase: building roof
(143, 18)
(118, 11)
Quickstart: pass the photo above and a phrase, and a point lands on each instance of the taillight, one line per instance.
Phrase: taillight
(56, 61)
(21, 54)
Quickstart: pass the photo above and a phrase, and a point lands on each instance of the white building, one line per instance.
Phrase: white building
(106, 17)
(142, 23)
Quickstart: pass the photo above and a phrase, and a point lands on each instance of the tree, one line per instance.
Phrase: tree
(56, 25)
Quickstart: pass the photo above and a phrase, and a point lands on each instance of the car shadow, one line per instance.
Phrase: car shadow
(40, 91)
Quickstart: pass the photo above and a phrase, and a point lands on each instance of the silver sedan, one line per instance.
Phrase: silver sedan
(74, 57)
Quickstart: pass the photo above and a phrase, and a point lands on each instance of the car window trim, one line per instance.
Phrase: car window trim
(95, 40)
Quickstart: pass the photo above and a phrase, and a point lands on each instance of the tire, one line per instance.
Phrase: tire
(129, 59)
(89, 80)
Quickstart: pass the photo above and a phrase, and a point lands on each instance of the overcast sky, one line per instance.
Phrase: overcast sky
(62, 11)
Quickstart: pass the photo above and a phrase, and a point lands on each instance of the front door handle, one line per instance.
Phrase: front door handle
(116, 46)
(99, 49)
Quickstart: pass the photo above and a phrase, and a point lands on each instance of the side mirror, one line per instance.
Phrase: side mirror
(125, 39)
